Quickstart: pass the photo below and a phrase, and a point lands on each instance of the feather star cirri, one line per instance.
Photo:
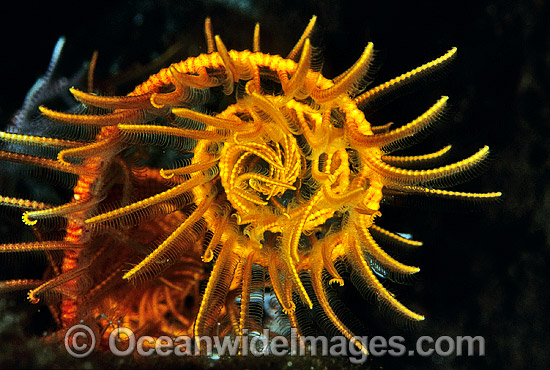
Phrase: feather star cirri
(279, 186)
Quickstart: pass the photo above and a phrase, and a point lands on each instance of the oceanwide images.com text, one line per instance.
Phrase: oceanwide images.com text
(80, 342)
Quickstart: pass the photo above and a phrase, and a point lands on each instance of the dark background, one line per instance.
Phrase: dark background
(483, 273)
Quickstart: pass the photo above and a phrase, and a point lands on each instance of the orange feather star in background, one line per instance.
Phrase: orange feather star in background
(277, 187)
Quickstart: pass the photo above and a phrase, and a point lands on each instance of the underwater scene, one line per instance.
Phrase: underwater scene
(257, 184)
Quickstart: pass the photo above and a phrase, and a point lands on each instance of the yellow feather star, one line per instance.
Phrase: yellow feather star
(283, 182)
